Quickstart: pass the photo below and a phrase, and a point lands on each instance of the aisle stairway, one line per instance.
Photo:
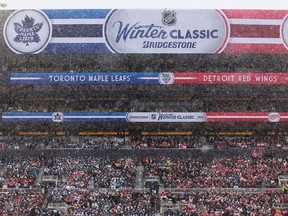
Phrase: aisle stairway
(140, 186)
(139, 182)
(40, 176)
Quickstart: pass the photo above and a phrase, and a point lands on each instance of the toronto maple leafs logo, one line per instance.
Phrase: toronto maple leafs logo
(27, 32)
(57, 117)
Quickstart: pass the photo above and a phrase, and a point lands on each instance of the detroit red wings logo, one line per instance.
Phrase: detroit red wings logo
(27, 32)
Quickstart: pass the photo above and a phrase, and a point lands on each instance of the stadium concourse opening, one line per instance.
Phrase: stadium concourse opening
(94, 127)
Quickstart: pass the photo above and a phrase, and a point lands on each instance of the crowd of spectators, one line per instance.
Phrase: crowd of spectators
(106, 186)
(21, 202)
(181, 142)
(100, 142)
(217, 142)
(17, 172)
(91, 172)
(156, 141)
(90, 185)
(219, 172)
(104, 202)
(146, 142)
(247, 142)
(224, 203)
(23, 144)
(131, 62)
(246, 105)
(167, 104)
(94, 143)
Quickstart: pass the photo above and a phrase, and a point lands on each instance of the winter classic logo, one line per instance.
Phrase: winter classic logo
(27, 31)
(169, 31)
(284, 31)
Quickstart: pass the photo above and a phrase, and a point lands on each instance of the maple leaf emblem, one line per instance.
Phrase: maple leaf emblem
(27, 32)
(57, 117)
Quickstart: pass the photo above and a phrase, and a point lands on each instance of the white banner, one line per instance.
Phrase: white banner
(166, 117)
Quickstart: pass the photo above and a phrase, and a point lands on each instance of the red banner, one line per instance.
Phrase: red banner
(257, 31)
(246, 117)
(230, 78)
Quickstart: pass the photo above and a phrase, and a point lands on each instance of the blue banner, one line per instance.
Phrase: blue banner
(64, 117)
(86, 78)
(77, 13)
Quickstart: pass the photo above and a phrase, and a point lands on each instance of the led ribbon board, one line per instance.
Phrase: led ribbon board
(146, 31)
(142, 117)
(117, 78)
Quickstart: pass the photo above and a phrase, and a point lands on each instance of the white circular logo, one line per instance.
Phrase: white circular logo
(27, 31)
(274, 117)
(284, 31)
(166, 78)
(57, 117)
(157, 31)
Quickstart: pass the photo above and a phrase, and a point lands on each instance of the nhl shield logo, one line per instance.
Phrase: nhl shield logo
(153, 116)
(169, 18)
(27, 31)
